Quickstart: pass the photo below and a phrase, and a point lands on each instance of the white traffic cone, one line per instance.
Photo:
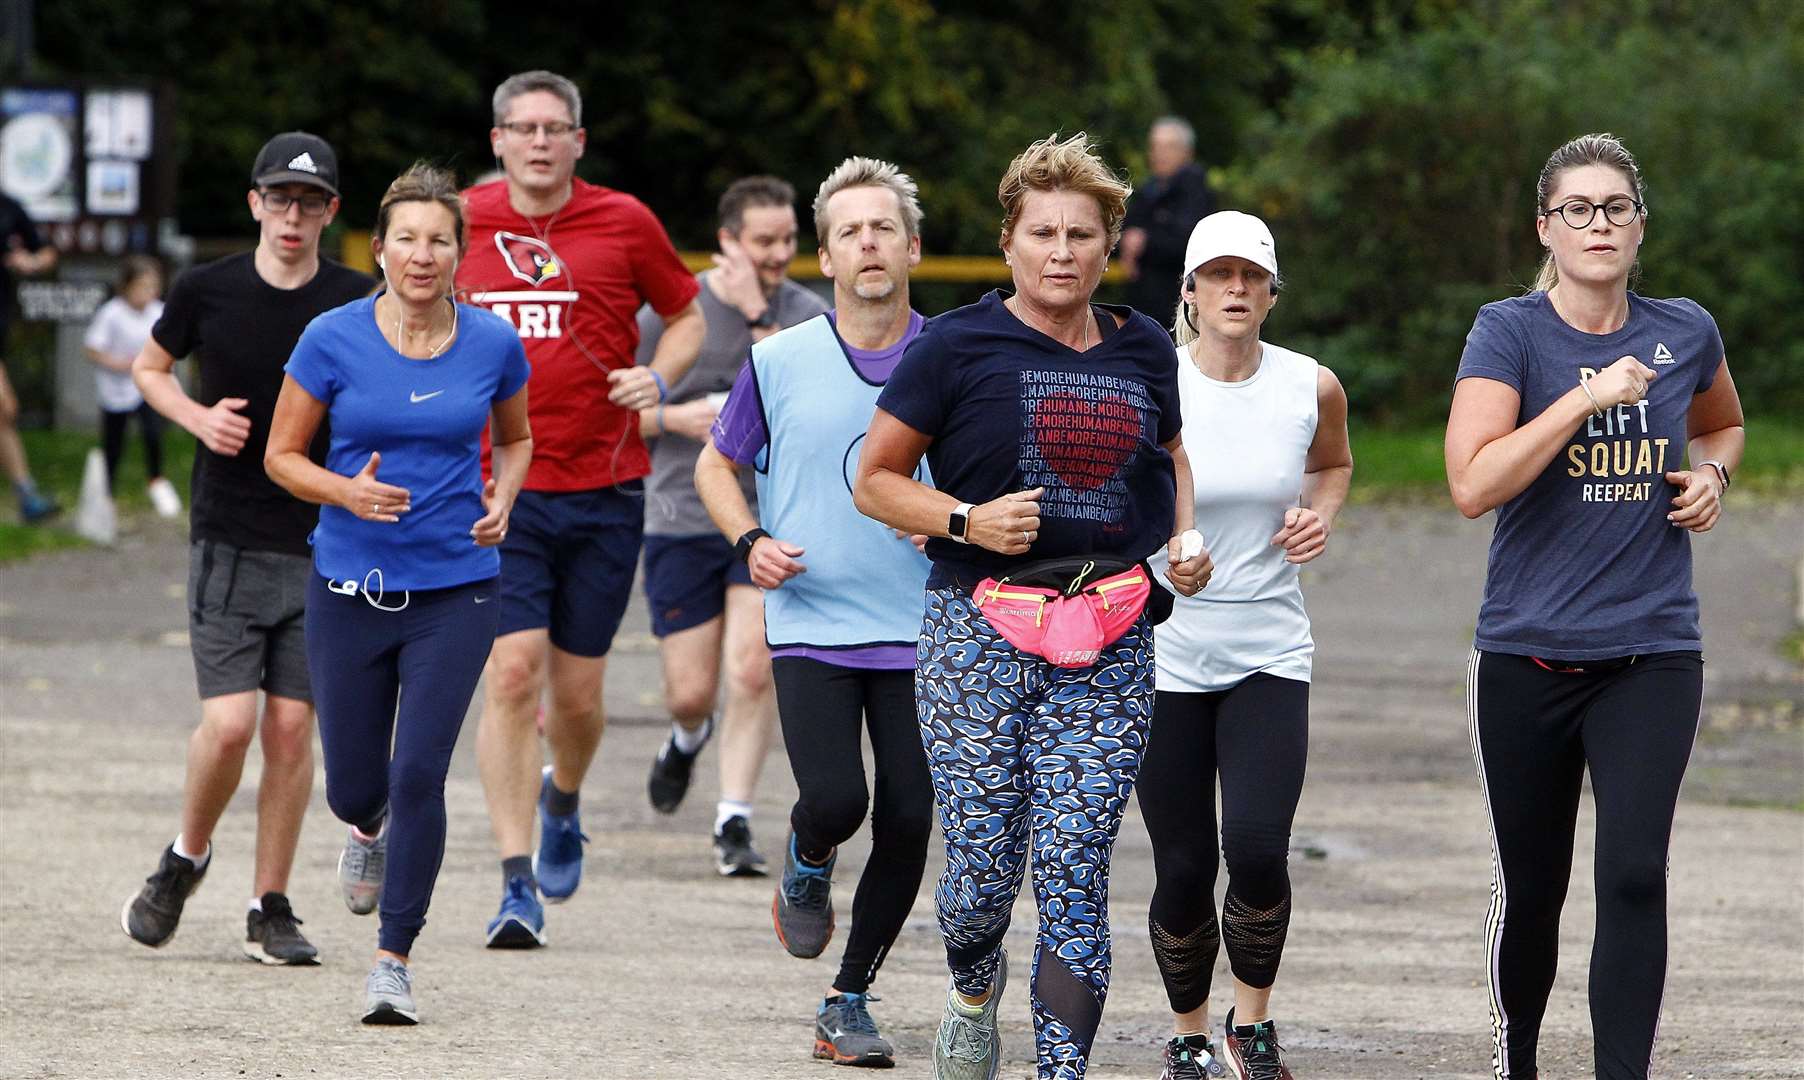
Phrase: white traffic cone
(96, 518)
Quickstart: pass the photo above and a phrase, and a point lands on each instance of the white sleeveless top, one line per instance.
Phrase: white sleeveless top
(1247, 443)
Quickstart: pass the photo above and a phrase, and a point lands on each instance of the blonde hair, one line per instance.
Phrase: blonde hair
(424, 183)
(1052, 164)
(1600, 148)
(868, 172)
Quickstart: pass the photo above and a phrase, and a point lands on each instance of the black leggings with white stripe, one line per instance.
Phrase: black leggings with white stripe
(1537, 729)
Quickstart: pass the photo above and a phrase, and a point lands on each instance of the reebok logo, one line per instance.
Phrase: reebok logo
(303, 162)
(415, 397)
(1663, 355)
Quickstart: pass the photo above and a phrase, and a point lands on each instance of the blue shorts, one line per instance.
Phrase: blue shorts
(686, 579)
(567, 564)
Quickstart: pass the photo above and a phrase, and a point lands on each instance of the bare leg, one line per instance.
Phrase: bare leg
(749, 716)
(691, 664)
(574, 719)
(215, 762)
(12, 451)
(1194, 1022)
(1251, 1004)
(287, 784)
(507, 741)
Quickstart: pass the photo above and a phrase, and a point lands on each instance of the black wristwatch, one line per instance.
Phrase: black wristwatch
(959, 522)
(766, 321)
(742, 547)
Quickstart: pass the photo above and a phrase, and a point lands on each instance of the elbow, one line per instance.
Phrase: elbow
(864, 498)
(1468, 502)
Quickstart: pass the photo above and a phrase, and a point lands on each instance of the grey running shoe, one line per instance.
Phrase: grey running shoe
(803, 907)
(1254, 1050)
(360, 868)
(273, 935)
(151, 915)
(968, 1046)
(1191, 1057)
(845, 1034)
(388, 994)
(733, 851)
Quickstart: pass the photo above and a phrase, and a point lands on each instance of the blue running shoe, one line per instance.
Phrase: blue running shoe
(803, 907)
(521, 922)
(558, 864)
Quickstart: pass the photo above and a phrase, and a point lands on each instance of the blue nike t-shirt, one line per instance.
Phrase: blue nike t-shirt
(1010, 409)
(426, 418)
(1584, 564)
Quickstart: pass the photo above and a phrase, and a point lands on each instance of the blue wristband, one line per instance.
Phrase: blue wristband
(663, 391)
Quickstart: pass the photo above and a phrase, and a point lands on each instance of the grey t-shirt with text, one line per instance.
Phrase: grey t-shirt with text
(672, 507)
(1584, 564)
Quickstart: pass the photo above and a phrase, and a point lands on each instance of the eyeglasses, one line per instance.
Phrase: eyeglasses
(1579, 213)
(557, 129)
(279, 202)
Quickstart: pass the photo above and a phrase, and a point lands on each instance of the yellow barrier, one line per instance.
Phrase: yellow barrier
(954, 269)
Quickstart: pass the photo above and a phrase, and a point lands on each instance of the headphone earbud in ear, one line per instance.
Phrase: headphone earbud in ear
(381, 264)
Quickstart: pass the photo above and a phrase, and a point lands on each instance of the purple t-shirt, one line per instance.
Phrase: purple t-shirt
(740, 435)
(1584, 564)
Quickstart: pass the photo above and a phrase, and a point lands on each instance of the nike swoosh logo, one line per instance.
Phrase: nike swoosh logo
(482, 599)
(416, 398)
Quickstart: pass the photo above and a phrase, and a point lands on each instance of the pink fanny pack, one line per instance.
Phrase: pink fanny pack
(1071, 625)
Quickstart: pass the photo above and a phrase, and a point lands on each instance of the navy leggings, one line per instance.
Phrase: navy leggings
(427, 658)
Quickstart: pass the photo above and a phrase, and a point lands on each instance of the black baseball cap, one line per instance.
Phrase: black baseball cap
(295, 157)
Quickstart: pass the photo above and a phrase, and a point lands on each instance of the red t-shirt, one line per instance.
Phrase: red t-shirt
(571, 284)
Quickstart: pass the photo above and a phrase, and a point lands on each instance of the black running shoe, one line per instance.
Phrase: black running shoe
(151, 915)
(734, 854)
(845, 1034)
(803, 907)
(273, 935)
(1255, 1051)
(1191, 1057)
(670, 770)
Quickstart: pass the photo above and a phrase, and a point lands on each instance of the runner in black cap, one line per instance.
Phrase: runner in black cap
(248, 560)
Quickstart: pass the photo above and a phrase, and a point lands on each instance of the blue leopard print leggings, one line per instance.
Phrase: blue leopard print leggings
(1023, 752)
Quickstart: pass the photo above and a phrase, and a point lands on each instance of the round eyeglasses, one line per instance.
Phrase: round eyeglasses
(1579, 212)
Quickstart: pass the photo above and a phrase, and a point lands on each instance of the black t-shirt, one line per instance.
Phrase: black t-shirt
(15, 224)
(240, 329)
(1011, 409)
(1167, 209)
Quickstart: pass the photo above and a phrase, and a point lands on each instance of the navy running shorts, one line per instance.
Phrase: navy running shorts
(686, 579)
(567, 564)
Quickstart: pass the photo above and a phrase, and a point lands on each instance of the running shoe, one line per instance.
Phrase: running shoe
(968, 1046)
(558, 864)
(1191, 1057)
(163, 498)
(388, 994)
(733, 851)
(803, 907)
(845, 1034)
(360, 867)
(273, 935)
(671, 769)
(151, 915)
(35, 508)
(1254, 1050)
(520, 924)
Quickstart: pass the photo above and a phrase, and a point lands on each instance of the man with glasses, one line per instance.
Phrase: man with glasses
(568, 263)
(248, 561)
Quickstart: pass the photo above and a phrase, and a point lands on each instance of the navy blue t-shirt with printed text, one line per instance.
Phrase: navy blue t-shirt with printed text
(1010, 409)
(426, 419)
(1584, 564)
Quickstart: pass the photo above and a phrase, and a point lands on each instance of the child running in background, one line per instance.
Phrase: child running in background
(119, 330)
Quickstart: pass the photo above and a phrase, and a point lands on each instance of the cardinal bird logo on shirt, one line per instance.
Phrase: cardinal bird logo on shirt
(528, 257)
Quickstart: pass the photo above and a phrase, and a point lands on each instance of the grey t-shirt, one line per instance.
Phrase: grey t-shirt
(1584, 564)
(672, 507)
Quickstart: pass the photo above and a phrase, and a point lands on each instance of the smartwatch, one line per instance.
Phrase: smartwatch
(742, 547)
(959, 522)
(767, 320)
(1722, 472)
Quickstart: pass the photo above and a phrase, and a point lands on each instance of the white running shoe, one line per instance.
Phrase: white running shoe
(164, 499)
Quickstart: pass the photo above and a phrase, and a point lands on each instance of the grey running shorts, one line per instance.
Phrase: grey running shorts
(245, 612)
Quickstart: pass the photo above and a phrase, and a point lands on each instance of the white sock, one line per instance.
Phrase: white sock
(690, 741)
(200, 861)
(726, 808)
(256, 904)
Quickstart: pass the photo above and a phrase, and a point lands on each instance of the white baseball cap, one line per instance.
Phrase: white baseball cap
(1230, 232)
